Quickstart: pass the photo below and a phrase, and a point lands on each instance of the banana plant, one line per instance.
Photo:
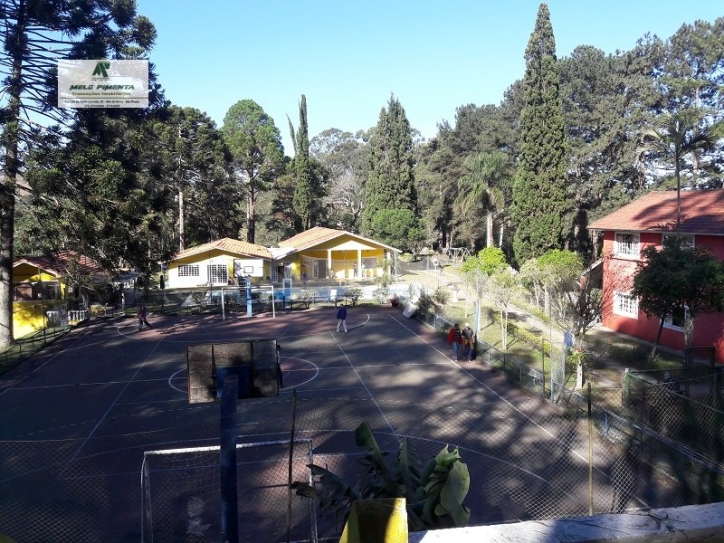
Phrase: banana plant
(434, 492)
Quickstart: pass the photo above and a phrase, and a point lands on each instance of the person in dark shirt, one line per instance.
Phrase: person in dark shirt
(342, 318)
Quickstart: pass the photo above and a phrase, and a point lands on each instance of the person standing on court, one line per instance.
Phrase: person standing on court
(469, 341)
(142, 317)
(455, 339)
(342, 318)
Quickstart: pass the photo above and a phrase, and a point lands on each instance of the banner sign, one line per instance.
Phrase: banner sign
(102, 83)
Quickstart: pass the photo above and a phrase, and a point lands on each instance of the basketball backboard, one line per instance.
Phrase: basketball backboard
(254, 361)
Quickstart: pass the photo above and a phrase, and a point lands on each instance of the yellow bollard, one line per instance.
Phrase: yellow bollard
(377, 521)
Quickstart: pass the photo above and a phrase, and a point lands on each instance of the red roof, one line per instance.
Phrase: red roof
(702, 212)
(57, 263)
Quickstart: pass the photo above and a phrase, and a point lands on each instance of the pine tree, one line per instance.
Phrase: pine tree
(34, 35)
(255, 144)
(540, 207)
(390, 184)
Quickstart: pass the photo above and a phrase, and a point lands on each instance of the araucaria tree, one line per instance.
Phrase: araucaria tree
(34, 36)
(255, 144)
(540, 207)
(390, 183)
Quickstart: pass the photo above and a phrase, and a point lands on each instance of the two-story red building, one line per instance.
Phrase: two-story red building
(645, 222)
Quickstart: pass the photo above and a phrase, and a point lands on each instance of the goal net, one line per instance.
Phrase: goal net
(182, 501)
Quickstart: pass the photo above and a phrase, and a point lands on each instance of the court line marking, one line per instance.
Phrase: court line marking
(359, 378)
(221, 337)
(110, 407)
(53, 357)
(505, 400)
(316, 373)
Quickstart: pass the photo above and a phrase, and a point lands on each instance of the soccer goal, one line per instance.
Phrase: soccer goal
(251, 301)
(181, 496)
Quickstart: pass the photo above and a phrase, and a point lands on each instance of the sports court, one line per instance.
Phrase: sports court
(78, 418)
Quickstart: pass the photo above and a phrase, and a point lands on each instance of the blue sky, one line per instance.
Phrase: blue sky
(348, 56)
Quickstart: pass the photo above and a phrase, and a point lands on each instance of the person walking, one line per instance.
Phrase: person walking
(469, 341)
(455, 339)
(142, 317)
(342, 318)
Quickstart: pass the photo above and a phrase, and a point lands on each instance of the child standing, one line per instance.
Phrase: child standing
(142, 317)
(342, 318)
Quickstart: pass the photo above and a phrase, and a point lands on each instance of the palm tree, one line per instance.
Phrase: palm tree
(486, 181)
(681, 133)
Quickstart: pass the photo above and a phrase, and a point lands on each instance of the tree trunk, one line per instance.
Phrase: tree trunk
(489, 241)
(250, 206)
(658, 338)
(181, 222)
(7, 188)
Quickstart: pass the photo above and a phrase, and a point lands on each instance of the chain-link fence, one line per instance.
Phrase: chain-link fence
(527, 460)
(685, 409)
(191, 477)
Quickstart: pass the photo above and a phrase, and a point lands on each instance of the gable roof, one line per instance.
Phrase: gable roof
(702, 212)
(227, 245)
(318, 235)
(57, 263)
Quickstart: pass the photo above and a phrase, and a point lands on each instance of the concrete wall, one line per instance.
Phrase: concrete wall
(691, 524)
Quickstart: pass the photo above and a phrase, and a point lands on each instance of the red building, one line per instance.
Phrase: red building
(646, 222)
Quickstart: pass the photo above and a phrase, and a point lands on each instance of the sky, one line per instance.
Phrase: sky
(348, 57)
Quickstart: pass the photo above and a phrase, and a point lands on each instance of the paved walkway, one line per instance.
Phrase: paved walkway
(608, 370)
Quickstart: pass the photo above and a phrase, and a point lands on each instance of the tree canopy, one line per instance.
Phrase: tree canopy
(390, 182)
(682, 279)
(257, 154)
(540, 203)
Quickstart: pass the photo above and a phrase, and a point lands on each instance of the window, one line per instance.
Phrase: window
(47, 290)
(217, 274)
(626, 305)
(627, 245)
(677, 318)
(685, 241)
(186, 270)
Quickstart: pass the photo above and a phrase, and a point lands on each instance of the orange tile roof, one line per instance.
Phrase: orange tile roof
(318, 235)
(702, 212)
(57, 263)
(227, 245)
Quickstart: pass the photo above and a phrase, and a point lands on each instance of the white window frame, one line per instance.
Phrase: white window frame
(627, 245)
(188, 270)
(218, 274)
(669, 320)
(625, 305)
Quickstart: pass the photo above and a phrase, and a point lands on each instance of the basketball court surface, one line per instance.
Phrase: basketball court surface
(79, 416)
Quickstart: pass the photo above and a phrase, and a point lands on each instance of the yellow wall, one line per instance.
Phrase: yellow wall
(29, 317)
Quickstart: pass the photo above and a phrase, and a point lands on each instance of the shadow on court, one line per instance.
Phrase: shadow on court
(89, 422)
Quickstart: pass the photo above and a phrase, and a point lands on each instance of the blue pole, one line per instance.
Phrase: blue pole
(227, 461)
(248, 296)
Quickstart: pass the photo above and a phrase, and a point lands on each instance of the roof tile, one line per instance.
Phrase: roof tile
(702, 212)
(228, 245)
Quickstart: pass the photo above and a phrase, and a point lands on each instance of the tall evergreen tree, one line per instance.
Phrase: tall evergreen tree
(303, 197)
(390, 183)
(195, 160)
(540, 206)
(255, 144)
(34, 35)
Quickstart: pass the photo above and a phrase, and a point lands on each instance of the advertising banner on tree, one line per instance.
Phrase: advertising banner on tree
(102, 83)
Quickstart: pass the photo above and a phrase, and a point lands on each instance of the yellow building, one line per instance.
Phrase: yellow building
(325, 253)
(40, 289)
(317, 254)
